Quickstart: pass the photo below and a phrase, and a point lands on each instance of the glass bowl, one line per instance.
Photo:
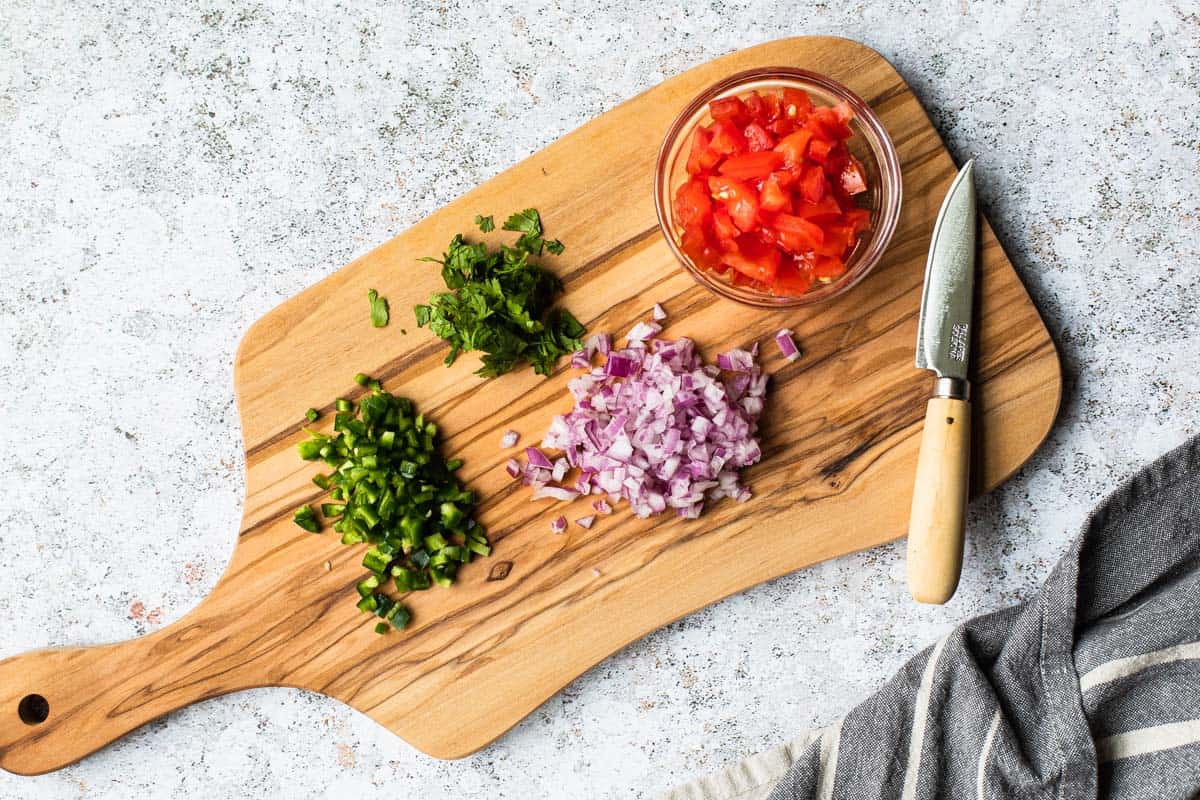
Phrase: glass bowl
(870, 144)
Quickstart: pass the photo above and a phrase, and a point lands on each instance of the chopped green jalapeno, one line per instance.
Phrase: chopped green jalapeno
(310, 450)
(306, 518)
(400, 616)
(390, 488)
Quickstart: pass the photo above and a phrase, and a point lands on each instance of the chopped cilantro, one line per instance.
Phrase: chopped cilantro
(499, 302)
(379, 308)
(529, 224)
(486, 224)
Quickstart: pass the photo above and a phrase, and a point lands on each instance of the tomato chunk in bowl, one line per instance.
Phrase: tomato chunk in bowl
(778, 187)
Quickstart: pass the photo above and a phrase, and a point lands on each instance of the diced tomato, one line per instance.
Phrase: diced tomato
(755, 107)
(774, 195)
(828, 124)
(796, 104)
(738, 279)
(858, 219)
(754, 258)
(782, 126)
(751, 166)
(728, 108)
(758, 138)
(838, 240)
(699, 248)
(724, 228)
(727, 138)
(835, 161)
(793, 146)
(739, 199)
(798, 235)
(828, 267)
(812, 184)
(825, 208)
(818, 149)
(792, 279)
(693, 204)
(774, 106)
(787, 176)
(770, 199)
(702, 157)
(853, 178)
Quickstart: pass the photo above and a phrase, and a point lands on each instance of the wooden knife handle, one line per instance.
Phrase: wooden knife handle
(935, 529)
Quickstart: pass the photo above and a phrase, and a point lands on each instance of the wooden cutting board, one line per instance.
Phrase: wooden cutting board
(840, 442)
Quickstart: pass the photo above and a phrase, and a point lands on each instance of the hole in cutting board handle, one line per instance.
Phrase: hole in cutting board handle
(33, 709)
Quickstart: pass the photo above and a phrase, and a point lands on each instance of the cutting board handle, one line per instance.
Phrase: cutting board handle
(58, 705)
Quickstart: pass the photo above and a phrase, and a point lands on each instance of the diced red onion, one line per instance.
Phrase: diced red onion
(559, 525)
(581, 359)
(736, 360)
(537, 458)
(512, 467)
(586, 522)
(620, 366)
(658, 427)
(509, 439)
(615, 425)
(553, 492)
(787, 345)
(535, 476)
(643, 331)
(560, 470)
(659, 313)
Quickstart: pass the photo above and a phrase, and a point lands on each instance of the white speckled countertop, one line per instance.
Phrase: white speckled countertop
(172, 171)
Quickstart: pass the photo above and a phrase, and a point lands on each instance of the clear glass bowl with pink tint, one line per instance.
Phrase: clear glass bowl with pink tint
(870, 144)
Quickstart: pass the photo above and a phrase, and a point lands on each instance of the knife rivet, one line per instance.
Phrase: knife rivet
(949, 420)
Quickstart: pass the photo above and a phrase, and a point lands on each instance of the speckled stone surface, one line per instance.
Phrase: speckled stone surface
(171, 171)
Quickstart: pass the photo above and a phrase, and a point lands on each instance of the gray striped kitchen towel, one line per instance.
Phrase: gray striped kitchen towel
(1089, 689)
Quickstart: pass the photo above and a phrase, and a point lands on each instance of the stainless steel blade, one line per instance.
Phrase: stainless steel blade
(947, 303)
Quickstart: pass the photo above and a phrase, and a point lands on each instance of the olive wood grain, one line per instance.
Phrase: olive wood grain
(840, 441)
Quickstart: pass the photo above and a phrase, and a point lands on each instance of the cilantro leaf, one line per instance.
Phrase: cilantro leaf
(486, 224)
(500, 302)
(528, 222)
(379, 308)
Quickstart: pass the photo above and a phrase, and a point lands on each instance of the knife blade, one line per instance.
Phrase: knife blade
(944, 330)
(935, 528)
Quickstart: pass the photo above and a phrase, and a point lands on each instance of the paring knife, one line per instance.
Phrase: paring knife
(935, 529)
